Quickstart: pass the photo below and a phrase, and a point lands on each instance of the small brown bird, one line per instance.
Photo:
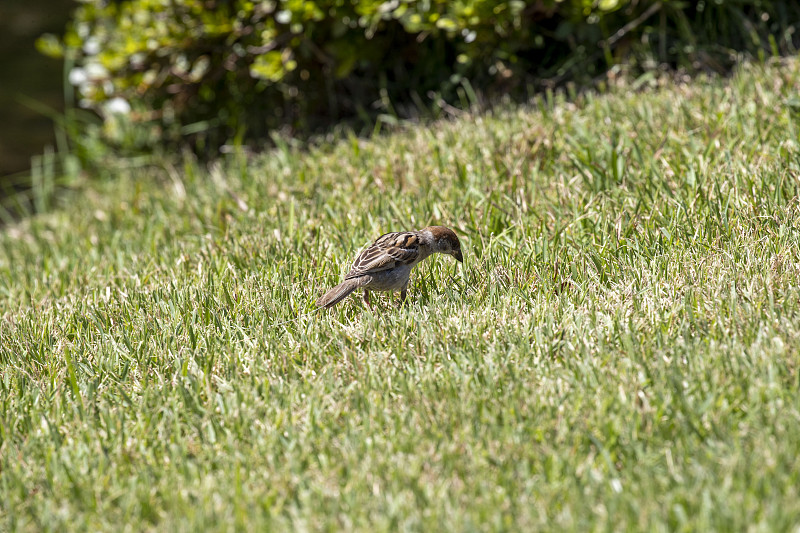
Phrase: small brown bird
(386, 264)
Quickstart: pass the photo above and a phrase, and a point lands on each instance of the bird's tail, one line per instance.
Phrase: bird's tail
(338, 293)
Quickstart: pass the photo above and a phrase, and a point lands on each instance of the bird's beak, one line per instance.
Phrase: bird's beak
(458, 256)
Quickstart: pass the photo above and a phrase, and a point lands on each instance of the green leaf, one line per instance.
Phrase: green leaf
(268, 66)
(50, 45)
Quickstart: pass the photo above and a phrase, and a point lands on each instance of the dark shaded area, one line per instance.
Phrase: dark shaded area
(238, 72)
(27, 74)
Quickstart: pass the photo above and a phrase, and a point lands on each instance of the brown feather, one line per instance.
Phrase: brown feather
(387, 252)
(341, 291)
(337, 294)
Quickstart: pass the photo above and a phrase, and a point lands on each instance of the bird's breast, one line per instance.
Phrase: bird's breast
(390, 280)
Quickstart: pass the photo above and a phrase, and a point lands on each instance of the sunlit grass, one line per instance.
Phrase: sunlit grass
(619, 350)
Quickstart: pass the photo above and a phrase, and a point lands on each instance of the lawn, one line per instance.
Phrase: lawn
(619, 350)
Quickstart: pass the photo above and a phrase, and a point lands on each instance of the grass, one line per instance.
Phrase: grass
(619, 350)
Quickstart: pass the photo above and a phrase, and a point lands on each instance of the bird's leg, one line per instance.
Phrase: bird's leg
(403, 293)
(366, 298)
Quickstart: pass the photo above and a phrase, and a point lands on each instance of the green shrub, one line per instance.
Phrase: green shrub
(208, 70)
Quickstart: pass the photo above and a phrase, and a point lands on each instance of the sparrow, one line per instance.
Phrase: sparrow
(386, 264)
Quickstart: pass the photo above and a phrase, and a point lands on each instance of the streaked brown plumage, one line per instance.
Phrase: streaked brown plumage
(386, 264)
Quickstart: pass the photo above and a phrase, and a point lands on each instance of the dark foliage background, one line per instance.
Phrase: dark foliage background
(161, 72)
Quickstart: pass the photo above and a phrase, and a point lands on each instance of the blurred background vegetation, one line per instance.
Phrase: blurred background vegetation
(28, 77)
(152, 75)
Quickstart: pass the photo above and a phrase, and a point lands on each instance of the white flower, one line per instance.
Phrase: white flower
(118, 106)
(91, 46)
(95, 71)
(77, 76)
(283, 17)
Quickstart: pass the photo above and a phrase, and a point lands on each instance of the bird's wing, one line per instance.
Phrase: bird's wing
(388, 251)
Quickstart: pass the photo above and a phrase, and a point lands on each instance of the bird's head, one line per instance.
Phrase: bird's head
(445, 241)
